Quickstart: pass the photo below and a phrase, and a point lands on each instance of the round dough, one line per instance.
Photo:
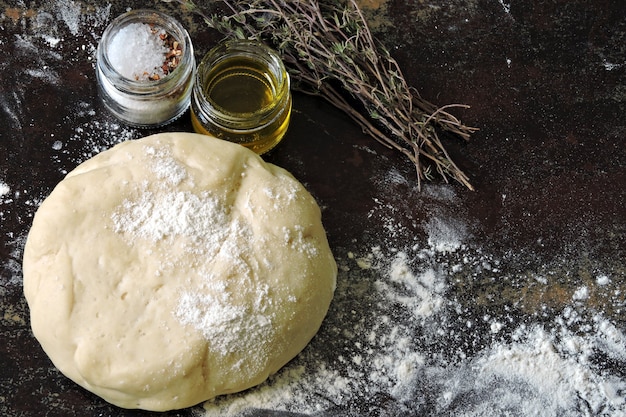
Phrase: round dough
(175, 268)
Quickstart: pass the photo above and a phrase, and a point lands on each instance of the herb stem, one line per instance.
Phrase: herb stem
(325, 43)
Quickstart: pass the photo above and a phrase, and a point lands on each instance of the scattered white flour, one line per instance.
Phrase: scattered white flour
(603, 279)
(395, 343)
(506, 6)
(421, 294)
(445, 235)
(13, 267)
(533, 376)
(4, 190)
(173, 215)
(229, 328)
(581, 293)
(44, 36)
(377, 347)
(51, 28)
(609, 66)
(165, 167)
(201, 221)
(70, 13)
(91, 136)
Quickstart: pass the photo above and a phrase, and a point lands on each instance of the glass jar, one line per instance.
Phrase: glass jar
(242, 94)
(155, 95)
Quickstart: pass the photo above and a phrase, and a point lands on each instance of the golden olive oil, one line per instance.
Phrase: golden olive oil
(240, 89)
(242, 98)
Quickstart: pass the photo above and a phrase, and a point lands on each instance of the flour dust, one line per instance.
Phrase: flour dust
(398, 341)
(54, 36)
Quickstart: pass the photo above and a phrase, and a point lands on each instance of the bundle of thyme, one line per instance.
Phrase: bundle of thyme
(329, 50)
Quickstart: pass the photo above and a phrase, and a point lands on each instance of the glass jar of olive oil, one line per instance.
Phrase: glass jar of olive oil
(242, 94)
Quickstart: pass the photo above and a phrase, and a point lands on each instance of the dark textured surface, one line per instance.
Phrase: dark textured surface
(546, 82)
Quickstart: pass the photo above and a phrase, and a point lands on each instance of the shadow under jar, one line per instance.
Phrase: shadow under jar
(145, 68)
(242, 94)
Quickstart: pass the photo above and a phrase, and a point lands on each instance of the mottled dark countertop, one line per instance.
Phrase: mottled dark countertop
(540, 244)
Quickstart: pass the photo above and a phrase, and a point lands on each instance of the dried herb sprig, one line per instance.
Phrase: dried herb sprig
(327, 46)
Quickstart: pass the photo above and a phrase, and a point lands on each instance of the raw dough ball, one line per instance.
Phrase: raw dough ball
(171, 269)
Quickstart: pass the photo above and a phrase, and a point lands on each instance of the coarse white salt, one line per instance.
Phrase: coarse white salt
(137, 51)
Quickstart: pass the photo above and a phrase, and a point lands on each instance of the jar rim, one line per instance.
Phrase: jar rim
(162, 20)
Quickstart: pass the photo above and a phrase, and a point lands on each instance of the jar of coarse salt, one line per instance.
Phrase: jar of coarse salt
(145, 68)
